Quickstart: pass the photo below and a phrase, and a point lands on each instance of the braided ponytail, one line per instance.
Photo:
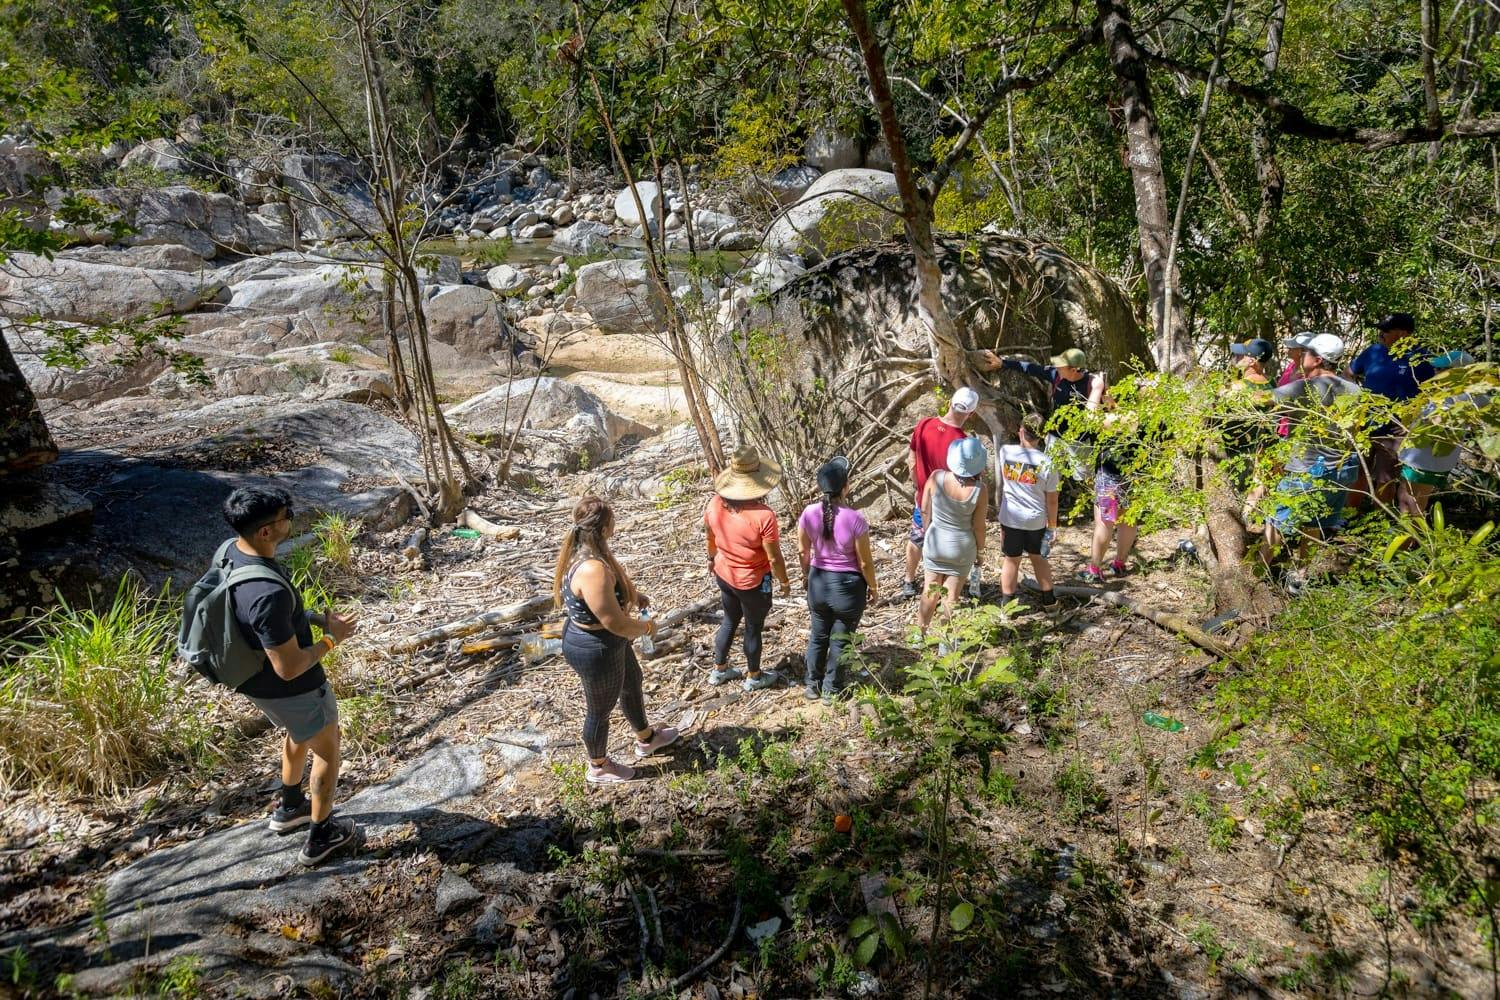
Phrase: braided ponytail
(830, 508)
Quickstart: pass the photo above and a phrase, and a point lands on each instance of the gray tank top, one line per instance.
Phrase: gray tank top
(952, 515)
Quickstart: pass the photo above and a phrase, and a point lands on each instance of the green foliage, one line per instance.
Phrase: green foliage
(96, 703)
(494, 252)
(1391, 674)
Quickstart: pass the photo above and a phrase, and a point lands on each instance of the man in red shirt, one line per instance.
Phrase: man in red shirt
(929, 451)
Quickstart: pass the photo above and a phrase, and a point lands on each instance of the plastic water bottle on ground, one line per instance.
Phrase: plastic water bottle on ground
(1158, 721)
(975, 581)
(645, 643)
(534, 650)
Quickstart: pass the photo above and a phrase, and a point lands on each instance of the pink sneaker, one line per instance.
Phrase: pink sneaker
(608, 773)
(1118, 567)
(664, 736)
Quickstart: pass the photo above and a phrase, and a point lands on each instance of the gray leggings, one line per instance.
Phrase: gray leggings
(606, 664)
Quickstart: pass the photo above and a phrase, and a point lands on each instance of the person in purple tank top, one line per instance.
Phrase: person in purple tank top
(838, 574)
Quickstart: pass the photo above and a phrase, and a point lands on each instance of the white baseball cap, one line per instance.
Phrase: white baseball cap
(965, 400)
(1328, 346)
(1299, 341)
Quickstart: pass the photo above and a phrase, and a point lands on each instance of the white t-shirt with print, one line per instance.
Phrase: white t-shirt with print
(1027, 477)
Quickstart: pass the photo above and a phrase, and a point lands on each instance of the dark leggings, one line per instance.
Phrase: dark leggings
(606, 664)
(751, 606)
(835, 604)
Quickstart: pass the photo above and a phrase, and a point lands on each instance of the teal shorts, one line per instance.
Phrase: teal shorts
(1421, 477)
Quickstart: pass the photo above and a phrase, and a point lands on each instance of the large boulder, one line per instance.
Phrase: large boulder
(829, 150)
(208, 223)
(650, 198)
(504, 279)
(564, 426)
(467, 319)
(161, 155)
(22, 166)
(25, 442)
(162, 256)
(838, 211)
(329, 197)
(845, 330)
(582, 239)
(340, 295)
(621, 298)
(83, 291)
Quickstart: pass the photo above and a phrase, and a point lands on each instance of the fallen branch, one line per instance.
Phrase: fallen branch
(508, 641)
(531, 608)
(469, 519)
(412, 550)
(1167, 620)
(707, 963)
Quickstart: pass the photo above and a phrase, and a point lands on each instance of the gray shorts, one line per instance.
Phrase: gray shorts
(303, 716)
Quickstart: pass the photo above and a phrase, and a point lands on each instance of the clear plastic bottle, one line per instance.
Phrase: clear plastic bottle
(976, 581)
(645, 643)
(534, 650)
(1047, 538)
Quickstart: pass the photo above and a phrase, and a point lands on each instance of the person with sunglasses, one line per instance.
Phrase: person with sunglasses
(291, 688)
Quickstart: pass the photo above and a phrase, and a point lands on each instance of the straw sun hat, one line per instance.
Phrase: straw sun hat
(749, 477)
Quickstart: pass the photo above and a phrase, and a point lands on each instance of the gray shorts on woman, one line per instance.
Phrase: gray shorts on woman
(303, 716)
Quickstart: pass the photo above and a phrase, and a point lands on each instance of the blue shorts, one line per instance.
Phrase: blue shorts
(1324, 508)
(917, 531)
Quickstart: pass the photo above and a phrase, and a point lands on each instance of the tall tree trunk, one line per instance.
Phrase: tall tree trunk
(1172, 345)
(949, 357)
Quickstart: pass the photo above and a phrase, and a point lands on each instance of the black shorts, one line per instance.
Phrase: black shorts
(1017, 542)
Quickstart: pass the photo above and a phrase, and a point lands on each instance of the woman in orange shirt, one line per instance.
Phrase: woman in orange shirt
(744, 552)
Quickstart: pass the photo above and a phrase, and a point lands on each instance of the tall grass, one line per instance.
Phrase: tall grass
(93, 701)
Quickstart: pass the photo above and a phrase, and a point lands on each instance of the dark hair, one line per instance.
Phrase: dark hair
(592, 519)
(250, 508)
(830, 508)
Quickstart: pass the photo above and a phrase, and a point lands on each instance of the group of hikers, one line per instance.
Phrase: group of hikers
(605, 613)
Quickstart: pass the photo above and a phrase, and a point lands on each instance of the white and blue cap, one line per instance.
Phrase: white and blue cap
(967, 457)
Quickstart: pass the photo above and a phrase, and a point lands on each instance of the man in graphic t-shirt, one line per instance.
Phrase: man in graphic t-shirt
(291, 689)
(1028, 509)
(929, 451)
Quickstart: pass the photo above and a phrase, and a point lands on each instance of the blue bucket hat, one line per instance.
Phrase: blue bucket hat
(967, 457)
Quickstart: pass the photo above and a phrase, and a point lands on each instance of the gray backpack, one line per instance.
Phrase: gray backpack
(210, 639)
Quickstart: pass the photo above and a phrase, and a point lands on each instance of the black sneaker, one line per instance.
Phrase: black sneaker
(285, 820)
(909, 590)
(333, 836)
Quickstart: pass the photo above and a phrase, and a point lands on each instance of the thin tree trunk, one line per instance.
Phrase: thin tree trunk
(950, 359)
(1434, 109)
(1172, 346)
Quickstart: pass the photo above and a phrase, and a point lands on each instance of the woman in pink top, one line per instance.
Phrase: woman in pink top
(838, 574)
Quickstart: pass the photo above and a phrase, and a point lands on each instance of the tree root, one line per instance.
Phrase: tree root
(1167, 620)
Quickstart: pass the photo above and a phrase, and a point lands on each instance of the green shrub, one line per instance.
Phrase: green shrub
(493, 253)
(95, 702)
(1390, 677)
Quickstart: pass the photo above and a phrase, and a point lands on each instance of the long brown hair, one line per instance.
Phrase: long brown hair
(592, 520)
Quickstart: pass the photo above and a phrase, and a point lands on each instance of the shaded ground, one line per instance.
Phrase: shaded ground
(1103, 857)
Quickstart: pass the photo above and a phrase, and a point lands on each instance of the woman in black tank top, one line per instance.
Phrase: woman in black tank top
(597, 597)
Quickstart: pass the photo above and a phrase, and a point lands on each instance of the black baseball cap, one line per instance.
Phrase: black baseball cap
(1258, 349)
(1397, 321)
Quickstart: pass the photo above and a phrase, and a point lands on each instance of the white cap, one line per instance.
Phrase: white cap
(1328, 346)
(965, 400)
(1299, 341)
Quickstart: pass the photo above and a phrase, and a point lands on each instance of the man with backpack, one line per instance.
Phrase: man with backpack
(250, 620)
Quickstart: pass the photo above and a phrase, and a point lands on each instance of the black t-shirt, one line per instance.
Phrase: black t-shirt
(268, 615)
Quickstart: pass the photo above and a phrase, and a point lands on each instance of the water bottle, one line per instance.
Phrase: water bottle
(645, 643)
(1047, 538)
(534, 650)
(974, 581)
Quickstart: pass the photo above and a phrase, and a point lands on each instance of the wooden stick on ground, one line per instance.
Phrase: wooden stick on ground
(1167, 620)
(469, 519)
(532, 607)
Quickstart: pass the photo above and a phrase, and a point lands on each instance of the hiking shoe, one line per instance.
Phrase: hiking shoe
(664, 736)
(810, 693)
(764, 679)
(1092, 574)
(608, 773)
(723, 675)
(328, 839)
(1118, 568)
(909, 590)
(285, 820)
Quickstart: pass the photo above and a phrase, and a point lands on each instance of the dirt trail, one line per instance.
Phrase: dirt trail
(1120, 859)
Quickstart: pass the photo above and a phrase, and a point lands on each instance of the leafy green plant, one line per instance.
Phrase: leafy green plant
(341, 355)
(940, 717)
(95, 702)
(494, 252)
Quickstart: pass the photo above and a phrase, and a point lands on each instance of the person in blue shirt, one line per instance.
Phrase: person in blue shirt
(1395, 370)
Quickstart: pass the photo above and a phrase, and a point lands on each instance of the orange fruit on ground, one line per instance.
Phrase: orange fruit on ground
(843, 823)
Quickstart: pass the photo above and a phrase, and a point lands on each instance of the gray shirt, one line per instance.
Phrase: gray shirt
(1324, 448)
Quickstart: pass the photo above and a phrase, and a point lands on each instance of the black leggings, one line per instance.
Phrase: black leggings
(606, 664)
(750, 605)
(835, 604)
